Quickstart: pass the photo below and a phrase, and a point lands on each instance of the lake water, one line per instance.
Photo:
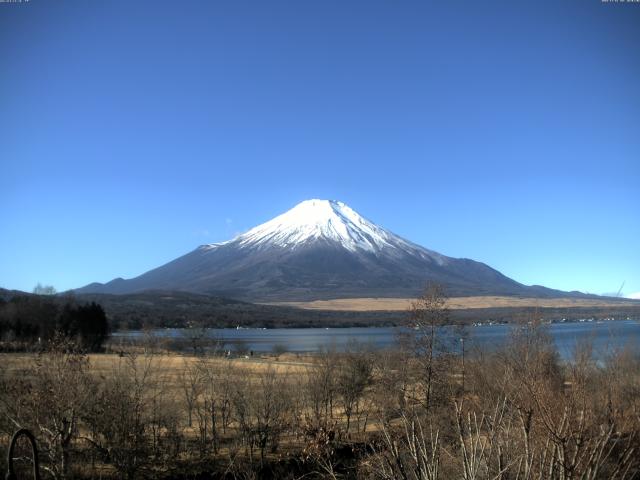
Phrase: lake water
(605, 336)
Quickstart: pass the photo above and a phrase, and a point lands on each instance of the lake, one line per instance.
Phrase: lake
(604, 335)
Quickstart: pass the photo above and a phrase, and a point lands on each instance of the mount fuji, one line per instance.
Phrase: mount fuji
(320, 249)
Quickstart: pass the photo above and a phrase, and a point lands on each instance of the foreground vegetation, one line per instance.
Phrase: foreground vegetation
(417, 412)
(512, 414)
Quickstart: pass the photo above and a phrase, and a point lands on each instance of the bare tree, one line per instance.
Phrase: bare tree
(55, 392)
(262, 411)
(354, 376)
(195, 334)
(213, 404)
(191, 384)
(410, 451)
(40, 289)
(428, 313)
(320, 389)
(394, 383)
(119, 420)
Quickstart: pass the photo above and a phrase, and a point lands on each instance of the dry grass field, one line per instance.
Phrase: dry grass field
(150, 413)
(171, 365)
(164, 383)
(455, 303)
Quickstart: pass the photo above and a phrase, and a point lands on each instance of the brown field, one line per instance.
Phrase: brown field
(455, 303)
(145, 412)
(172, 364)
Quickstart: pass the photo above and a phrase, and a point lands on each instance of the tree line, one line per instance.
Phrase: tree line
(28, 320)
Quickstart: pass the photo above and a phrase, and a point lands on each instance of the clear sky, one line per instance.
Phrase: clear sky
(507, 132)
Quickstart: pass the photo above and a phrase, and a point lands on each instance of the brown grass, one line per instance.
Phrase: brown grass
(172, 364)
(455, 303)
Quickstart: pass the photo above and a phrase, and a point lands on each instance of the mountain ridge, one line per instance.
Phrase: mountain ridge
(320, 249)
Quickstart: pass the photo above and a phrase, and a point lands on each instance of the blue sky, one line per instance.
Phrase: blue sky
(506, 132)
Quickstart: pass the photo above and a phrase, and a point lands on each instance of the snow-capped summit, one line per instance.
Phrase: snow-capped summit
(327, 220)
(320, 249)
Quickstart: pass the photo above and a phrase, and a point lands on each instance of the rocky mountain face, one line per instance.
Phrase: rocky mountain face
(320, 249)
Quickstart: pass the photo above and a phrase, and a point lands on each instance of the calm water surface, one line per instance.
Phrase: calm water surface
(605, 336)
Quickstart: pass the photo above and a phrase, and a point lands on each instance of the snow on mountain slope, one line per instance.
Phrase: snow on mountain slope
(330, 221)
